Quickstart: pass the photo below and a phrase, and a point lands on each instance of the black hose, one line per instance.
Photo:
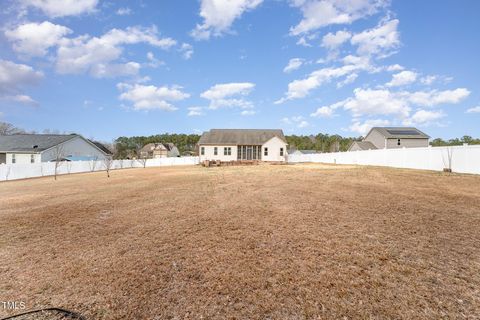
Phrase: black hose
(67, 313)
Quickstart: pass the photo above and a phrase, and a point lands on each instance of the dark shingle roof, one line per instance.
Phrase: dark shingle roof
(27, 142)
(400, 132)
(101, 147)
(240, 136)
(364, 145)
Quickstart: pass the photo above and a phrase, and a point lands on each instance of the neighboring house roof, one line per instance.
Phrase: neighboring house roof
(154, 146)
(32, 142)
(240, 136)
(400, 132)
(79, 158)
(291, 151)
(364, 145)
(308, 151)
(101, 147)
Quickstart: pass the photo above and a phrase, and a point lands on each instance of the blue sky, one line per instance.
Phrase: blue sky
(111, 68)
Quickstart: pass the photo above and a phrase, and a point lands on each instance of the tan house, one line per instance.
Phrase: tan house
(159, 150)
(391, 138)
(243, 144)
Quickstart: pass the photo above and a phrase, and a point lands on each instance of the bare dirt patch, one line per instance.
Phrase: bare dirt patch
(260, 242)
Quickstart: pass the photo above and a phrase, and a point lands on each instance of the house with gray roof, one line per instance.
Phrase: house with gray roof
(35, 148)
(391, 138)
(243, 144)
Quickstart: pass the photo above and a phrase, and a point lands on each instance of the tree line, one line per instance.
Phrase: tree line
(127, 147)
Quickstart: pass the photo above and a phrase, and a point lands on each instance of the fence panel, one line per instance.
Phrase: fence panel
(23, 171)
(464, 159)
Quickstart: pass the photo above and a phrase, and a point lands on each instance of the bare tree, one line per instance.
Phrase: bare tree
(9, 129)
(107, 163)
(143, 161)
(447, 162)
(93, 163)
(140, 156)
(59, 155)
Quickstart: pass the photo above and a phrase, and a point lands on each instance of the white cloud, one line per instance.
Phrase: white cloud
(380, 40)
(195, 111)
(395, 67)
(435, 97)
(375, 102)
(124, 11)
(293, 64)
(62, 8)
(332, 41)
(402, 78)
(363, 128)
(229, 95)
(298, 121)
(187, 51)
(428, 80)
(18, 98)
(220, 91)
(423, 117)
(248, 112)
(321, 13)
(301, 88)
(323, 112)
(398, 105)
(97, 55)
(218, 16)
(150, 97)
(348, 79)
(34, 39)
(154, 62)
(474, 110)
(13, 78)
(114, 69)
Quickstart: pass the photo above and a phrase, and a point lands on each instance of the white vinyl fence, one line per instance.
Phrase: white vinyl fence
(464, 159)
(22, 171)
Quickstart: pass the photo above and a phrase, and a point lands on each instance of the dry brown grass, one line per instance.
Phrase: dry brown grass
(261, 242)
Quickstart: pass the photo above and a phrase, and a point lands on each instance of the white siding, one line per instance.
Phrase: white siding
(209, 153)
(274, 146)
(22, 158)
(407, 143)
(376, 138)
(77, 147)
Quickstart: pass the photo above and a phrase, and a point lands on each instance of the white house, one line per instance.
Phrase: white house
(243, 144)
(35, 148)
(391, 138)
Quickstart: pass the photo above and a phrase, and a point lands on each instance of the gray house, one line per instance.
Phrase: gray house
(35, 148)
(391, 138)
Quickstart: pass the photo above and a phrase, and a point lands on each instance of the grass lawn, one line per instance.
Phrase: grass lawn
(260, 242)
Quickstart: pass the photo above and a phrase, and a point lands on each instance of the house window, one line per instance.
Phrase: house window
(32, 158)
(227, 151)
(13, 158)
(215, 151)
(265, 151)
(398, 142)
(281, 152)
(202, 151)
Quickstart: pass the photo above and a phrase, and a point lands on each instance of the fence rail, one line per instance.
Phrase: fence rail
(462, 159)
(23, 171)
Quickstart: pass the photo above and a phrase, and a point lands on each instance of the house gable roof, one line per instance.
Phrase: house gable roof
(32, 142)
(364, 145)
(240, 136)
(102, 147)
(399, 133)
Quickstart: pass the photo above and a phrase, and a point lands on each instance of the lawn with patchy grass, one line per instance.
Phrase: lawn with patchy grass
(260, 242)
